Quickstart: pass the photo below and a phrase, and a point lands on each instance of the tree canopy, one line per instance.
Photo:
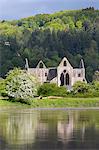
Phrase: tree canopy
(74, 34)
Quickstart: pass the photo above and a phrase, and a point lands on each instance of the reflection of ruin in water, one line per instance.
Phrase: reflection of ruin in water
(65, 129)
(19, 128)
(40, 129)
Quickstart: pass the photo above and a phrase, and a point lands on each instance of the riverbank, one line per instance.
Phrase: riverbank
(56, 103)
(7, 103)
(66, 102)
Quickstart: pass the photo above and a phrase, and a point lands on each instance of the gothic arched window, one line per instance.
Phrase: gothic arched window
(65, 64)
(41, 65)
(67, 79)
(62, 79)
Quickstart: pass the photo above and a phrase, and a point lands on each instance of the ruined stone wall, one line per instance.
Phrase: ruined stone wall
(40, 73)
(78, 75)
(54, 80)
(48, 75)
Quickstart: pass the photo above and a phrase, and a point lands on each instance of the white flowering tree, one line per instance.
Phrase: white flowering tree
(21, 85)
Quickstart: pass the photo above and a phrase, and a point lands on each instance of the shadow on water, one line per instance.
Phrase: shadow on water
(49, 129)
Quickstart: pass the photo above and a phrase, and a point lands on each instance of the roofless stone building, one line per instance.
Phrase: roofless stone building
(63, 75)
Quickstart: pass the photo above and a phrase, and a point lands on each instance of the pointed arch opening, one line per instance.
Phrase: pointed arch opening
(62, 79)
(67, 79)
(65, 63)
(41, 65)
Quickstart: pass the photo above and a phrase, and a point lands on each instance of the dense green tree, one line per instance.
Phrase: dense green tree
(79, 24)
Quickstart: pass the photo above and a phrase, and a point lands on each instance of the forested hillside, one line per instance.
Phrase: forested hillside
(74, 34)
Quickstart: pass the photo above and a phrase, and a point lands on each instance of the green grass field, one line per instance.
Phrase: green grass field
(10, 103)
(66, 102)
(56, 103)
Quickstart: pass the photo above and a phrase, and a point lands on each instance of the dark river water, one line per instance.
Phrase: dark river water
(28, 129)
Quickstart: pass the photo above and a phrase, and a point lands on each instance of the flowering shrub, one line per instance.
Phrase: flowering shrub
(21, 85)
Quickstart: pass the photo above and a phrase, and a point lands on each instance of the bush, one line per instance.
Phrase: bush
(48, 89)
(95, 85)
(94, 89)
(96, 76)
(20, 85)
(80, 87)
(2, 88)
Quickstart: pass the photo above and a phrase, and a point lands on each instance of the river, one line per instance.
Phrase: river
(52, 129)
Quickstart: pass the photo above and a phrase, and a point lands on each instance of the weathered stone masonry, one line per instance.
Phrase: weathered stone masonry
(63, 75)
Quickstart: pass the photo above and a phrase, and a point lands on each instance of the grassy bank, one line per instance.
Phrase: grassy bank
(10, 103)
(66, 102)
(56, 103)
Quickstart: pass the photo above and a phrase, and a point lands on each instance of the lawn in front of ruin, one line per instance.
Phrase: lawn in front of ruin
(54, 103)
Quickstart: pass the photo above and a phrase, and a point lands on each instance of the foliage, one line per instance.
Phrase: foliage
(2, 87)
(48, 89)
(20, 85)
(96, 76)
(65, 102)
(50, 37)
(96, 85)
(80, 87)
(55, 103)
(56, 24)
(10, 103)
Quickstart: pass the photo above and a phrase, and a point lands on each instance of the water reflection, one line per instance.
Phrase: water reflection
(49, 130)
